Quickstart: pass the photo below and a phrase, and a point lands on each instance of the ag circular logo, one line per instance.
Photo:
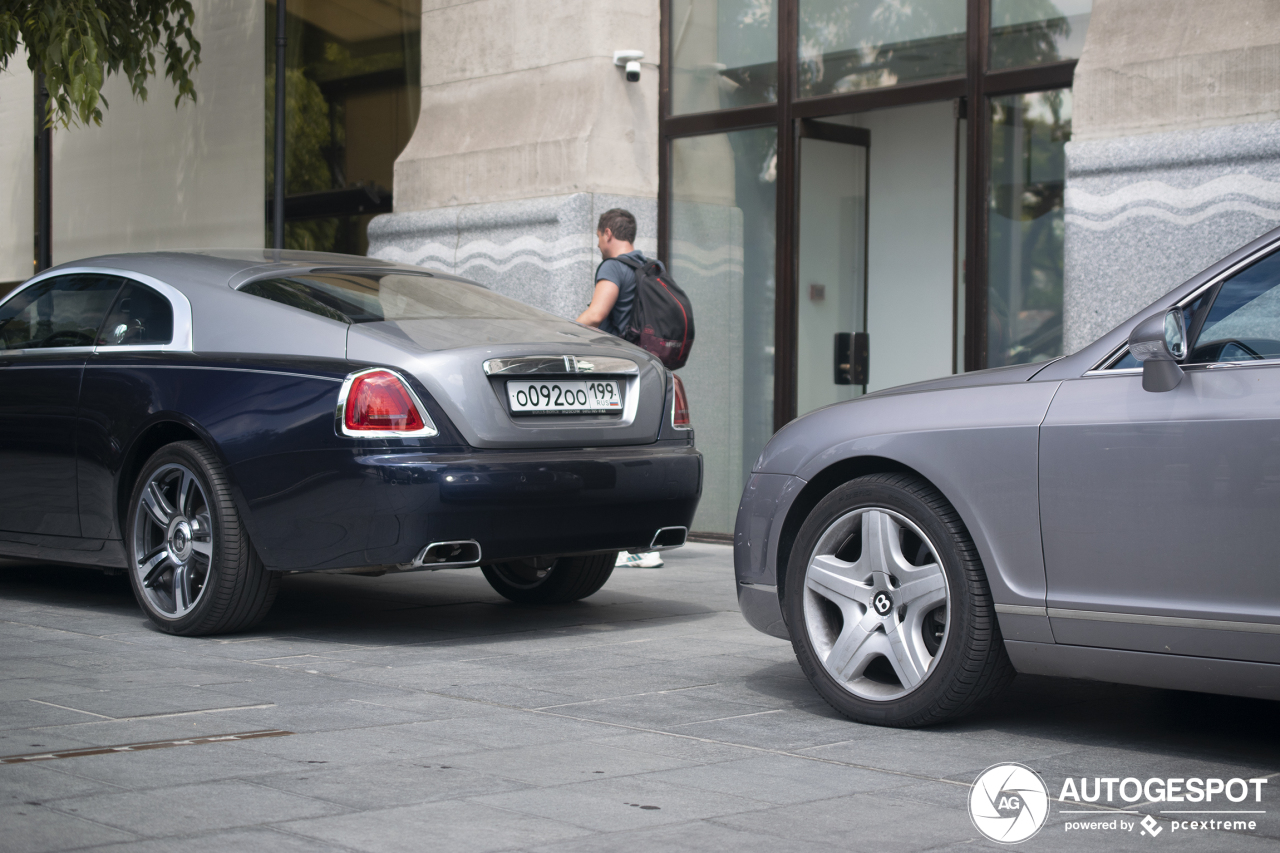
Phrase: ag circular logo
(882, 603)
(1009, 803)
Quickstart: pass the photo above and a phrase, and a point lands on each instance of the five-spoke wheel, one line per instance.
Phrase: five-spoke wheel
(172, 540)
(888, 606)
(194, 570)
(875, 597)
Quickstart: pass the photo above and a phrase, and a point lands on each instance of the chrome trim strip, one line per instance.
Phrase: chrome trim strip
(559, 364)
(763, 587)
(428, 426)
(1164, 621)
(1021, 610)
(210, 367)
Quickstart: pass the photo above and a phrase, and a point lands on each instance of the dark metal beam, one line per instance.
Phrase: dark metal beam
(277, 219)
(1057, 75)
(721, 121)
(43, 258)
(945, 89)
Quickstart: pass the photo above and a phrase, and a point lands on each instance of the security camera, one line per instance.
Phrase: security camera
(630, 60)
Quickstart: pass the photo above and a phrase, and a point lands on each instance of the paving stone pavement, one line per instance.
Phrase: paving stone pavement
(426, 712)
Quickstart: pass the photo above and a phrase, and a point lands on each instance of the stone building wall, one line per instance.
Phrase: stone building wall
(528, 132)
(1175, 152)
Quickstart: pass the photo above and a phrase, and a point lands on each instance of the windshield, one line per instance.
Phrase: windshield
(370, 297)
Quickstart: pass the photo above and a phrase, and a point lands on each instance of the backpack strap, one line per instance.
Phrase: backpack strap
(639, 266)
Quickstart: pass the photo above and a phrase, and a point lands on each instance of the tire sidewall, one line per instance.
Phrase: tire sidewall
(874, 491)
(179, 454)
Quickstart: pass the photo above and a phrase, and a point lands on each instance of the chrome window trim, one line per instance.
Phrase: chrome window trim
(1100, 369)
(428, 426)
(1164, 621)
(565, 365)
(178, 303)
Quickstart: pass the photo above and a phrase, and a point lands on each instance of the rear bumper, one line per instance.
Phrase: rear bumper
(337, 509)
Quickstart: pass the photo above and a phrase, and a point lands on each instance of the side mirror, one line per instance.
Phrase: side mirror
(1160, 342)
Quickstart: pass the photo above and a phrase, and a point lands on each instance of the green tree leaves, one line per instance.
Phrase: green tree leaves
(76, 44)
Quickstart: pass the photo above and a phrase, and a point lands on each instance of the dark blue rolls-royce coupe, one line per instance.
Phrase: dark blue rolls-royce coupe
(209, 420)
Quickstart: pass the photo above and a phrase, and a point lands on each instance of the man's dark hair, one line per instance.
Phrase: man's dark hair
(620, 222)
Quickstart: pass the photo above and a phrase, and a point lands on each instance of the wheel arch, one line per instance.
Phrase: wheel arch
(160, 431)
(824, 483)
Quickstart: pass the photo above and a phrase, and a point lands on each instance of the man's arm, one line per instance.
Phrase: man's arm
(602, 302)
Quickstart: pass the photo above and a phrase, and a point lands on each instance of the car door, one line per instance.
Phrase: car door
(1160, 511)
(114, 393)
(47, 330)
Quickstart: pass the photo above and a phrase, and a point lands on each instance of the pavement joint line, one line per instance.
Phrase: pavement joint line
(65, 708)
(622, 696)
(734, 717)
(153, 716)
(30, 757)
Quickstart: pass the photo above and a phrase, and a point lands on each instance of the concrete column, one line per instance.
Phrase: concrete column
(1175, 152)
(528, 132)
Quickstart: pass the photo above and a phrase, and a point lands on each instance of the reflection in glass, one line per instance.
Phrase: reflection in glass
(352, 92)
(848, 45)
(1024, 292)
(1033, 32)
(724, 53)
(722, 253)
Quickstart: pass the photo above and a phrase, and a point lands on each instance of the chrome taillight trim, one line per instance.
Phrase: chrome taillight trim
(562, 365)
(428, 426)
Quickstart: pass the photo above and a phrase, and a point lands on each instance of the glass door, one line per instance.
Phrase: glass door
(832, 260)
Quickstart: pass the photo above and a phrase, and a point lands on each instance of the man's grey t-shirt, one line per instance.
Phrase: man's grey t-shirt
(624, 276)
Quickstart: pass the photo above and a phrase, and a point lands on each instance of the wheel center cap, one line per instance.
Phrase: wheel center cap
(179, 539)
(883, 603)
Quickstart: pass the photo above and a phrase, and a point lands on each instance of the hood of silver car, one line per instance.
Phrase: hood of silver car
(992, 376)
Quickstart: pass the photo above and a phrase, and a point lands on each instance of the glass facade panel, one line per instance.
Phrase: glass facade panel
(351, 102)
(722, 253)
(850, 45)
(724, 53)
(1034, 32)
(1024, 289)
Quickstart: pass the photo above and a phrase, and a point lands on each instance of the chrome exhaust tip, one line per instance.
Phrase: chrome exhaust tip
(668, 537)
(448, 555)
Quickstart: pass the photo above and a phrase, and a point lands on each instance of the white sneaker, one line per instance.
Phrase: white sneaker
(645, 560)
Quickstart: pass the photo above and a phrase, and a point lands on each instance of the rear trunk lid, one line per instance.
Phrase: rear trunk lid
(466, 365)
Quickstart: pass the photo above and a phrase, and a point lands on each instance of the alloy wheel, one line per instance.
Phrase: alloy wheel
(876, 601)
(173, 540)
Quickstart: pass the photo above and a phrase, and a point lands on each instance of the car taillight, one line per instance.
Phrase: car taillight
(680, 407)
(379, 402)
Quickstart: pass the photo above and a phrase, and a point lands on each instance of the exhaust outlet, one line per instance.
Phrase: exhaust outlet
(449, 555)
(668, 537)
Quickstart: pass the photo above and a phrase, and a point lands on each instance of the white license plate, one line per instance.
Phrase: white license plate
(559, 397)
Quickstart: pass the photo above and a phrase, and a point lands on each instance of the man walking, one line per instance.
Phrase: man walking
(611, 304)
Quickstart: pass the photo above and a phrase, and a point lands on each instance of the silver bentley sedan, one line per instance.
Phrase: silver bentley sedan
(1111, 515)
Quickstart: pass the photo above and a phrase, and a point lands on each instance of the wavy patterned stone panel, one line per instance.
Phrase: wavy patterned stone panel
(541, 251)
(1145, 213)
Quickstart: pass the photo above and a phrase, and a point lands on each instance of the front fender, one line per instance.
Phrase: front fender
(976, 445)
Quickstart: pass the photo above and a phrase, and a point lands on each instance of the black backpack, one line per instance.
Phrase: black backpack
(661, 315)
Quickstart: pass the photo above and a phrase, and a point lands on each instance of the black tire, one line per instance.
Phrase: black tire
(225, 587)
(550, 580)
(960, 637)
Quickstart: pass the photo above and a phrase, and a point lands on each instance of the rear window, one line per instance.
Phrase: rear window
(365, 297)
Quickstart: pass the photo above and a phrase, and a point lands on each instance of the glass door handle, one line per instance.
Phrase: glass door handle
(851, 358)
